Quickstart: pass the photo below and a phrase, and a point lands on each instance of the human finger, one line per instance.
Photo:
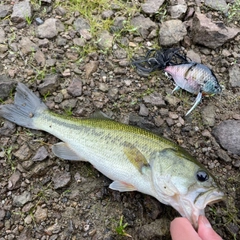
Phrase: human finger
(205, 230)
(181, 229)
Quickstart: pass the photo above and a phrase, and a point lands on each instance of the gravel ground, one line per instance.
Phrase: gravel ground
(81, 63)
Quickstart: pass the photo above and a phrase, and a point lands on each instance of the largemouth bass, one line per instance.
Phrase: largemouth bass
(135, 159)
(193, 77)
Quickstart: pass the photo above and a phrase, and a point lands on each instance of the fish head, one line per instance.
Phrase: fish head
(211, 85)
(180, 181)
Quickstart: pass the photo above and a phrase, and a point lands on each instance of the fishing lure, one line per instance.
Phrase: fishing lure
(193, 77)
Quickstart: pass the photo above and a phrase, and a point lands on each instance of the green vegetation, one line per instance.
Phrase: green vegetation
(120, 229)
(8, 157)
(234, 11)
(91, 11)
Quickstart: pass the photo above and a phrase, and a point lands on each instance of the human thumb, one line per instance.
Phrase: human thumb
(205, 230)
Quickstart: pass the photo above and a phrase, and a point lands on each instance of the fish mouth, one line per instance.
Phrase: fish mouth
(193, 205)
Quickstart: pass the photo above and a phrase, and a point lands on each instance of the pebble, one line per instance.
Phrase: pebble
(20, 200)
(41, 214)
(143, 110)
(61, 180)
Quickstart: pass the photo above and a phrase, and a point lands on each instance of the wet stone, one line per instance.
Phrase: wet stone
(41, 154)
(61, 180)
(20, 200)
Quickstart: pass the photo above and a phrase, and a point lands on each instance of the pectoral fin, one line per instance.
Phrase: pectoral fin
(122, 186)
(135, 156)
(62, 150)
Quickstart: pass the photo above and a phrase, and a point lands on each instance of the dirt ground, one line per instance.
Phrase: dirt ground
(44, 197)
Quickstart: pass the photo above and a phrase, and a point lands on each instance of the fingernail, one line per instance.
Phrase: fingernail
(205, 222)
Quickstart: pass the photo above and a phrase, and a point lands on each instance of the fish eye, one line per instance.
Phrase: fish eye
(202, 176)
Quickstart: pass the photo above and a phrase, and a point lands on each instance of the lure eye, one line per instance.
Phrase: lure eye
(202, 176)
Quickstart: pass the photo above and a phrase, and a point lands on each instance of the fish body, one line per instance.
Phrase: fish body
(135, 159)
(193, 77)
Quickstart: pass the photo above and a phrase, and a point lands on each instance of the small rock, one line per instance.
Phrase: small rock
(113, 93)
(91, 67)
(41, 154)
(28, 219)
(171, 32)
(39, 21)
(81, 23)
(234, 73)
(219, 5)
(68, 104)
(2, 214)
(151, 6)
(2, 36)
(143, 110)
(120, 53)
(223, 155)
(40, 58)
(49, 85)
(27, 46)
(208, 115)
(75, 87)
(105, 41)
(103, 87)
(50, 28)
(227, 134)
(3, 48)
(210, 34)
(14, 180)
(158, 121)
(173, 115)
(20, 200)
(23, 152)
(5, 10)
(79, 42)
(144, 25)
(6, 86)
(118, 24)
(194, 56)
(21, 11)
(61, 180)
(107, 14)
(178, 11)
(41, 214)
(154, 99)
(172, 100)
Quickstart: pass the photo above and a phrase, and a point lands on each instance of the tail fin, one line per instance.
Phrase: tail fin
(26, 106)
(159, 59)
